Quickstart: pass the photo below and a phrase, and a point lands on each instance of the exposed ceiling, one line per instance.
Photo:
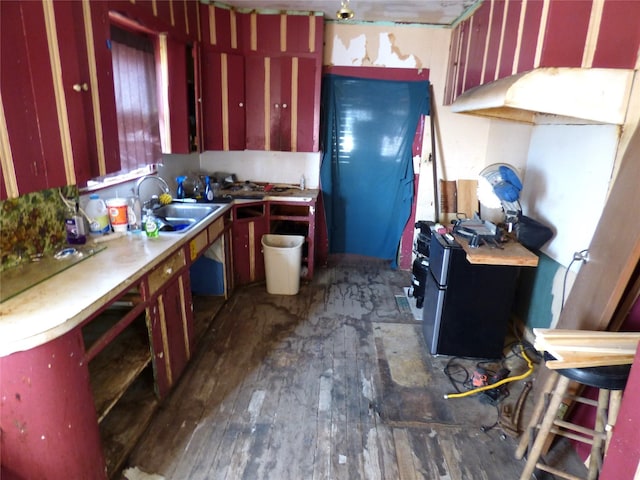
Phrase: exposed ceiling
(443, 13)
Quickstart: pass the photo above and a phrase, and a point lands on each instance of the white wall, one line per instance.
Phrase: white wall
(265, 166)
(569, 168)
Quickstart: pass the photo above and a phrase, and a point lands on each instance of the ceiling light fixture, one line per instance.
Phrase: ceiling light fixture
(345, 13)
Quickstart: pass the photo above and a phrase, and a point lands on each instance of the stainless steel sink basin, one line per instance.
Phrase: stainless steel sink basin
(182, 217)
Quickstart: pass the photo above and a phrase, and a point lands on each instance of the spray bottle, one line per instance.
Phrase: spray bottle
(180, 189)
(208, 192)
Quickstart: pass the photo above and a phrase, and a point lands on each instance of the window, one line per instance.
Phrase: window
(134, 78)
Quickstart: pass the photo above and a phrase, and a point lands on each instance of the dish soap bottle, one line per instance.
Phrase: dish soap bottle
(150, 225)
(74, 224)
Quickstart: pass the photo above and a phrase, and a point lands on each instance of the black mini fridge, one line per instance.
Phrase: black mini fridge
(466, 307)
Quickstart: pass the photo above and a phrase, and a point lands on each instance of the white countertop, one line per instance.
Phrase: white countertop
(59, 304)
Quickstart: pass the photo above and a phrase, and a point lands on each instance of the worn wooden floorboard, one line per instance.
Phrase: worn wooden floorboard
(333, 383)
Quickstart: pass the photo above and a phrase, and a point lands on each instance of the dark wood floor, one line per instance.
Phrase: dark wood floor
(332, 383)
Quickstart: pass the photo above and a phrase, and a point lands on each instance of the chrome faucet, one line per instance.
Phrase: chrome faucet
(163, 184)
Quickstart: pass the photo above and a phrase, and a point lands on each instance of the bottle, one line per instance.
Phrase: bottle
(150, 225)
(180, 189)
(97, 211)
(302, 182)
(74, 224)
(134, 214)
(208, 192)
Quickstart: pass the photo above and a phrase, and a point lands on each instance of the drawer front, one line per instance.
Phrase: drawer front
(166, 270)
(215, 229)
(198, 244)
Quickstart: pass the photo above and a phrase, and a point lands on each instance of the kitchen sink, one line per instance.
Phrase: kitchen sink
(182, 217)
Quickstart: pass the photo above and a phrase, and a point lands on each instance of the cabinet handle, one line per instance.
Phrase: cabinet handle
(80, 87)
(284, 105)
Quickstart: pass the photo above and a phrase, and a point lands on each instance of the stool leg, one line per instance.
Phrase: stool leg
(595, 460)
(615, 398)
(535, 417)
(545, 427)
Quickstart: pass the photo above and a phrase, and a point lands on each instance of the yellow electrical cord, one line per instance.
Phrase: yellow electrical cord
(497, 384)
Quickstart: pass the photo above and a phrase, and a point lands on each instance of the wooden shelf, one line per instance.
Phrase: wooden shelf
(513, 253)
(205, 308)
(128, 420)
(117, 366)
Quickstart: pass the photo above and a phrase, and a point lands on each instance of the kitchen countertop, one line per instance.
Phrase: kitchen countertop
(64, 301)
(289, 195)
(61, 303)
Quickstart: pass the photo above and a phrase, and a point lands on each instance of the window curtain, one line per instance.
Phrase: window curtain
(134, 72)
(367, 167)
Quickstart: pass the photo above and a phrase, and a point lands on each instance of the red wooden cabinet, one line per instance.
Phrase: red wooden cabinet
(281, 103)
(49, 427)
(223, 102)
(46, 95)
(249, 224)
(170, 317)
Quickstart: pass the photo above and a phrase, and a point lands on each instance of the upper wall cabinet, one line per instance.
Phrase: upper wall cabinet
(47, 95)
(58, 122)
(270, 100)
(280, 104)
(504, 38)
(223, 100)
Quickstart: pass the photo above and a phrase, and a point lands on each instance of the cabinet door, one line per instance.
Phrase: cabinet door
(47, 95)
(170, 316)
(223, 101)
(281, 103)
(249, 224)
(176, 323)
(29, 108)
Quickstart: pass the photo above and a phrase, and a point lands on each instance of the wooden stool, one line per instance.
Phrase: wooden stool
(610, 381)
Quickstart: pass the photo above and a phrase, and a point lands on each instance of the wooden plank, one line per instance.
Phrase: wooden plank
(513, 253)
(118, 365)
(467, 197)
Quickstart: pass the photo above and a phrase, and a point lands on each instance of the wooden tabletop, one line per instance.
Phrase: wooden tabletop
(512, 253)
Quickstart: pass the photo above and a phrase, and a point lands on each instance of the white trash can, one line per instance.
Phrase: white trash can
(282, 263)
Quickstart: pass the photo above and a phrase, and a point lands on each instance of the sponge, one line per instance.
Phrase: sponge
(165, 199)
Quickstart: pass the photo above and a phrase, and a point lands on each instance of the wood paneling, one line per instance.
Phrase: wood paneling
(529, 35)
(564, 46)
(509, 39)
(490, 60)
(618, 29)
(479, 33)
(549, 33)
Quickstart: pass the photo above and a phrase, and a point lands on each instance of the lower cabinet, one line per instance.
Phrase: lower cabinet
(172, 331)
(75, 406)
(249, 224)
(137, 349)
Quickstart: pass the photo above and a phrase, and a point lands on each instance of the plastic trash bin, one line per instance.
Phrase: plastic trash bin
(282, 263)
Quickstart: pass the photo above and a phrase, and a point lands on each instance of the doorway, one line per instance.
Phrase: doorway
(367, 172)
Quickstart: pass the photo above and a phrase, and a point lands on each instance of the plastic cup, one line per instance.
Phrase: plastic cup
(118, 214)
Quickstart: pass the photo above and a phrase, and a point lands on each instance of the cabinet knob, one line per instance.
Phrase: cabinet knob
(80, 87)
(168, 270)
(284, 105)
(241, 104)
(275, 105)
